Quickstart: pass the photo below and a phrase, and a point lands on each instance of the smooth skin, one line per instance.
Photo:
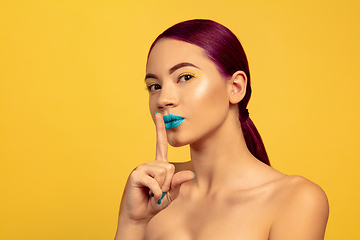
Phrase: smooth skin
(234, 195)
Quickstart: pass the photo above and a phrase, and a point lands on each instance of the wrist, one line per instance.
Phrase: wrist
(131, 229)
(128, 221)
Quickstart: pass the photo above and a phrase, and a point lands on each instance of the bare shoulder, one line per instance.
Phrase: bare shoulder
(297, 189)
(303, 210)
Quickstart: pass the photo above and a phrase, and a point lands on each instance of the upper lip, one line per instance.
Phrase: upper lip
(171, 117)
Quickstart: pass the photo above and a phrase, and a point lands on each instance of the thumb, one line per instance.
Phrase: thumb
(177, 180)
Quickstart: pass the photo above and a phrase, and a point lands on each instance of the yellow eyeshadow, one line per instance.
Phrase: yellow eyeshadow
(197, 74)
(187, 73)
(191, 73)
(148, 83)
(149, 86)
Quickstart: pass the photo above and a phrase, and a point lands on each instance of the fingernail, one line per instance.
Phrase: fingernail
(155, 113)
(194, 175)
(151, 195)
(163, 195)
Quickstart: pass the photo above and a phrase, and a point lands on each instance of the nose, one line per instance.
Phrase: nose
(167, 98)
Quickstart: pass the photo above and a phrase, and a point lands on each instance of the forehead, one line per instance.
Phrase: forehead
(168, 52)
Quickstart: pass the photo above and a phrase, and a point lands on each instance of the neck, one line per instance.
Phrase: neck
(221, 158)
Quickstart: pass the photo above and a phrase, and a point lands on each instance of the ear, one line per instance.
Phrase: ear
(237, 87)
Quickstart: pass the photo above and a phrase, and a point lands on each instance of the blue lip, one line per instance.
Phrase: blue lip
(172, 121)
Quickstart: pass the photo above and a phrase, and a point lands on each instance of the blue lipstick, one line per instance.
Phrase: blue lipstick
(172, 121)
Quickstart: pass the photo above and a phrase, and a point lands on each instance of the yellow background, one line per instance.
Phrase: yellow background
(74, 118)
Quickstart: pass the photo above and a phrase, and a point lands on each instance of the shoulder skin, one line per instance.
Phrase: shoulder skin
(303, 211)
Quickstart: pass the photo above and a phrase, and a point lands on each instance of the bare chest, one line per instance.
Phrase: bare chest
(212, 219)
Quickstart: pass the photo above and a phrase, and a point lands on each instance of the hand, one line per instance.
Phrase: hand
(153, 186)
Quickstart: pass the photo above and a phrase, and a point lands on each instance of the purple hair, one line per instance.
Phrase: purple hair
(225, 50)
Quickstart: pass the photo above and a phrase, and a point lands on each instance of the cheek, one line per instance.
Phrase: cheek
(208, 95)
(152, 108)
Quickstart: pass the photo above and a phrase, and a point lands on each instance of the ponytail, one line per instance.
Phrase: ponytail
(253, 139)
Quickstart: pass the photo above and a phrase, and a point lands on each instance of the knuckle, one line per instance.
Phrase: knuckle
(161, 171)
(134, 173)
(170, 167)
(139, 168)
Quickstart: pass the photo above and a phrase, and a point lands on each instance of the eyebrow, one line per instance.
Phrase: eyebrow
(180, 65)
(173, 69)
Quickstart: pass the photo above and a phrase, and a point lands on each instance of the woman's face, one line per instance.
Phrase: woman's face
(183, 81)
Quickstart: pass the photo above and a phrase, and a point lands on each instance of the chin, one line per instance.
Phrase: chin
(176, 140)
(180, 139)
(176, 143)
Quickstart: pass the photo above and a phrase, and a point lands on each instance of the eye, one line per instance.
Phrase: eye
(153, 87)
(185, 77)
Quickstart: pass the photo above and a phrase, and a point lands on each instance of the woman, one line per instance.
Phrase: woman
(199, 87)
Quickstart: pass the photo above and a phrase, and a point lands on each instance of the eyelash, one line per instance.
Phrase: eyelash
(186, 74)
(181, 76)
(151, 85)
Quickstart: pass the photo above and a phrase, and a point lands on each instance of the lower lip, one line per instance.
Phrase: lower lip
(173, 124)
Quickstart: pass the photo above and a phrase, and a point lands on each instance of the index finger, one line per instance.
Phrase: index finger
(161, 138)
